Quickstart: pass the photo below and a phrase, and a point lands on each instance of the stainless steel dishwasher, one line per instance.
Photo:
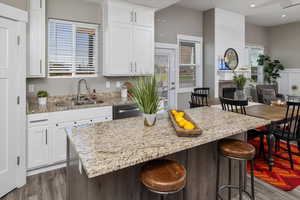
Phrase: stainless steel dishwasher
(125, 111)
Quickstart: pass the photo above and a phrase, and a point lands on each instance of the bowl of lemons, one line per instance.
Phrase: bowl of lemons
(183, 124)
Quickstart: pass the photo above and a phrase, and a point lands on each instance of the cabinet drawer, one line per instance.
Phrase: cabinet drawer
(36, 120)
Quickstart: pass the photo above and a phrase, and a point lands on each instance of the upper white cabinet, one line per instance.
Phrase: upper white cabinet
(36, 40)
(128, 39)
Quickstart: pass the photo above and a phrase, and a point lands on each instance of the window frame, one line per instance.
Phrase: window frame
(198, 41)
(83, 25)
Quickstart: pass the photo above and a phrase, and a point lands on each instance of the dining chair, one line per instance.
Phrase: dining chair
(199, 97)
(238, 106)
(288, 131)
(232, 105)
(292, 98)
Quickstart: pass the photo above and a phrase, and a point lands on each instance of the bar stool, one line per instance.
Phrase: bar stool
(163, 177)
(242, 152)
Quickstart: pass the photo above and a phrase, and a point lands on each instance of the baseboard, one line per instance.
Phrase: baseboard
(46, 169)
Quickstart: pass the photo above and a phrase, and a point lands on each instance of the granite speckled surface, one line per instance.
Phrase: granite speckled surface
(66, 103)
(114, 145)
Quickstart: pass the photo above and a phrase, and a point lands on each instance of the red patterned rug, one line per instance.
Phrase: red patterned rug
(282, 176)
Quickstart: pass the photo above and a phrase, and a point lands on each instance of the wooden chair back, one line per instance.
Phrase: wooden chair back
(291, 125)
(231, 105)
(198, 100)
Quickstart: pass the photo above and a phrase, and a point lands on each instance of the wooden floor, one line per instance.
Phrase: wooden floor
(52, 186)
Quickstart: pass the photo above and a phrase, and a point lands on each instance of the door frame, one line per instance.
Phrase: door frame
(174, 47)
(21, 18)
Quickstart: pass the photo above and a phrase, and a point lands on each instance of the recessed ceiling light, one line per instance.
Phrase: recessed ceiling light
(252, 5)
(283, 16)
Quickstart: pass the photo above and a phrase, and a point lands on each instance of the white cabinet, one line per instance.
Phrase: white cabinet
(143, 56)
(128, 40)
(36, 40)
(38, 147)
(47, 139)
(143, 16)
(119, 51)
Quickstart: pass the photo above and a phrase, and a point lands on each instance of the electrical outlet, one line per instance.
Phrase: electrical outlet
(107, 84)
(118, 84)
(31, 88)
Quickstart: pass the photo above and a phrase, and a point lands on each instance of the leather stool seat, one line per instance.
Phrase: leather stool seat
(237, 149)
(163, 176)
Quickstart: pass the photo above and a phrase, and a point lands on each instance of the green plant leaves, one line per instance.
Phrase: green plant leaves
(145, 95)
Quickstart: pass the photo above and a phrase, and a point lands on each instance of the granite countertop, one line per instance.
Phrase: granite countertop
(34, 108)
(114, 145)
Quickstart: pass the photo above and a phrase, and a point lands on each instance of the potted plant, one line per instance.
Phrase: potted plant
(240, 82)
(42, 97)
(295, 90)
(145, 95)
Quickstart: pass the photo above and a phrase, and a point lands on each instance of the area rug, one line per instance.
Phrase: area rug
(281, 176)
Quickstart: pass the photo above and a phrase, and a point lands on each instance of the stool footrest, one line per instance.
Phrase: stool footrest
(223, 187)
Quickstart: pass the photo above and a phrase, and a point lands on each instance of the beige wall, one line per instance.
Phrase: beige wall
(256, 35)
(177, 20)
(21, 4)
(284, 44)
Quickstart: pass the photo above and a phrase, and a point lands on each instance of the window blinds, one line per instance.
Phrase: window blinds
(72, 49)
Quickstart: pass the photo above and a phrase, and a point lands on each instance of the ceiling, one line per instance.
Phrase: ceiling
(265, 12)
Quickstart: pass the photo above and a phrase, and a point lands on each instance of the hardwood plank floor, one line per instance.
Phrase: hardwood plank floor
(52, 186)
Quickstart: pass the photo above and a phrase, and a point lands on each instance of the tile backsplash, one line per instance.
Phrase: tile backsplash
(68, 86)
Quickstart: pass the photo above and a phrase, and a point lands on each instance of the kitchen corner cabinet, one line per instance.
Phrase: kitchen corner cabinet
(46, 135)
(36, 39)
(128, 39)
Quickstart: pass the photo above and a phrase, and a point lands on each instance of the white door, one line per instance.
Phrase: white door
(143, 50)
(8, 105)
(37, 147)
(165, 72)
(120, 58)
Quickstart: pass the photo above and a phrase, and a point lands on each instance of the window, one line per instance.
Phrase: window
(72, 49)
(189, 66)
(252, 55)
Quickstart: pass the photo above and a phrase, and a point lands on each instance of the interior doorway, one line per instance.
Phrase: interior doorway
(165, 72)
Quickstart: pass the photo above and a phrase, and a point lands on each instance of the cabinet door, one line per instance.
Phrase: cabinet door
(37, 39)
(143, 50)
(144, 16)
(59, 141)
(120, 50)
(120, 13)
(38, 147)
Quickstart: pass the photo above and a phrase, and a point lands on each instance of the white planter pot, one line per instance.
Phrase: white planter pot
(42, 100)
(149, 119)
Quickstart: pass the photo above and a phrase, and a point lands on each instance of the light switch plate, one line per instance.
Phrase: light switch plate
(107, 84)
(118, 84)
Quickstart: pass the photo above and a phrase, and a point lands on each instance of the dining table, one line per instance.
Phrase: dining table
(276, 114)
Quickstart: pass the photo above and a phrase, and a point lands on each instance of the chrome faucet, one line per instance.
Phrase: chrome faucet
(79, 88)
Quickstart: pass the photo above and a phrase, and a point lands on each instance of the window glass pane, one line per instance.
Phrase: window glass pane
(253, 56)
(85, 50)
(187, 76)
(60, 48)
(187, 53)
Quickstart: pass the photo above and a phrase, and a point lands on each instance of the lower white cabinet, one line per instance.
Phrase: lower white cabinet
(38, 146)
(46, 136)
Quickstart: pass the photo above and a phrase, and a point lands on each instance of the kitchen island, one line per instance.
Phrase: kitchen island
(104, 160)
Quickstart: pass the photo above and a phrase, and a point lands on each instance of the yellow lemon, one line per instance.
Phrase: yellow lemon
(182, 123)
(178, 119)
(189, 126)
(173, 112)
(180, 114)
